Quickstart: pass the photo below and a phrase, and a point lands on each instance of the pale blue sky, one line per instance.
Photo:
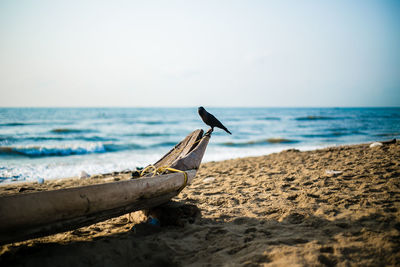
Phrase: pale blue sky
(191, 53)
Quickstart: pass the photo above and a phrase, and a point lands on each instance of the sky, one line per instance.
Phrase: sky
(338, 53)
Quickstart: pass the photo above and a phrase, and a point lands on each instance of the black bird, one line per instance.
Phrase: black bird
(211, 121)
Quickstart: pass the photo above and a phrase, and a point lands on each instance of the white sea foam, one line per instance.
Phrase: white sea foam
(56, 143)
(217, 153)
(53, 150)
(73, 166)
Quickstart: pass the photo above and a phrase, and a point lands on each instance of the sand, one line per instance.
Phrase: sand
(338, 206)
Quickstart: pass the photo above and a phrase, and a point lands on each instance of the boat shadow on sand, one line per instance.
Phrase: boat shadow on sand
(186, 238)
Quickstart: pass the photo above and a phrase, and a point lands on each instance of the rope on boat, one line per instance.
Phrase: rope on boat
(163, 170)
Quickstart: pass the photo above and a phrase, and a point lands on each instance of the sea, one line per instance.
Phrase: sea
(50, 143)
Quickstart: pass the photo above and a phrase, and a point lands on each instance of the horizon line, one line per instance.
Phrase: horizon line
(211, 106)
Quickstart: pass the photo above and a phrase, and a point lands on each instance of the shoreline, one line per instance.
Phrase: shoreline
(331, 206)
(122, 174)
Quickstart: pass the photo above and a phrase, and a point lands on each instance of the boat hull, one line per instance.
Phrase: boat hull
(31, 215)
(25, 216)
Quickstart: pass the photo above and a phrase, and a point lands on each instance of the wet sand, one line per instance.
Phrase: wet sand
(338, 206)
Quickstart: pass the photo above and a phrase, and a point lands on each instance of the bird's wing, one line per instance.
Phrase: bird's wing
(218, 124)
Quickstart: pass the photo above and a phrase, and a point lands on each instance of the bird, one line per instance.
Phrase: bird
(211, 121)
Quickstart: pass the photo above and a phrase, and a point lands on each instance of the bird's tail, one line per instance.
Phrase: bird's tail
(226, 130)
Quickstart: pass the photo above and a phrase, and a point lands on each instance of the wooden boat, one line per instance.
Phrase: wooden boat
(31, 215)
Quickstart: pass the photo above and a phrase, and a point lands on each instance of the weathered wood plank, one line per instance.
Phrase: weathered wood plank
(181, 150)
(42, 213)
(24, 216)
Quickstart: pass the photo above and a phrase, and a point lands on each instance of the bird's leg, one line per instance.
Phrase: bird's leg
(208, 133)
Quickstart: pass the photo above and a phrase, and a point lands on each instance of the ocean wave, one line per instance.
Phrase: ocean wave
(6, 138)
(113, 147)
(70, 131)
(95, 138)
(260, 142)
(46, 151)
(152, 122)
(66, 150)
(151, 134)
(328, 135)
(156, 122)
(315, 118)
(270, 118)
(387, 134)
(332, 134)
(164, 144)
(56, 138)
(16, 124)
(280, 141)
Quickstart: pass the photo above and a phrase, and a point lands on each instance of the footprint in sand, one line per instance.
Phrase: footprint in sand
(312, 195)
(289, 179)
(294, 218)
(292, 197)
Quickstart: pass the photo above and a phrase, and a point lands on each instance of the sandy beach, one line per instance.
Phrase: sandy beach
(338, 206)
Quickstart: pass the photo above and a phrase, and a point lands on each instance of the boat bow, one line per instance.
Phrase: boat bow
(31, 215)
